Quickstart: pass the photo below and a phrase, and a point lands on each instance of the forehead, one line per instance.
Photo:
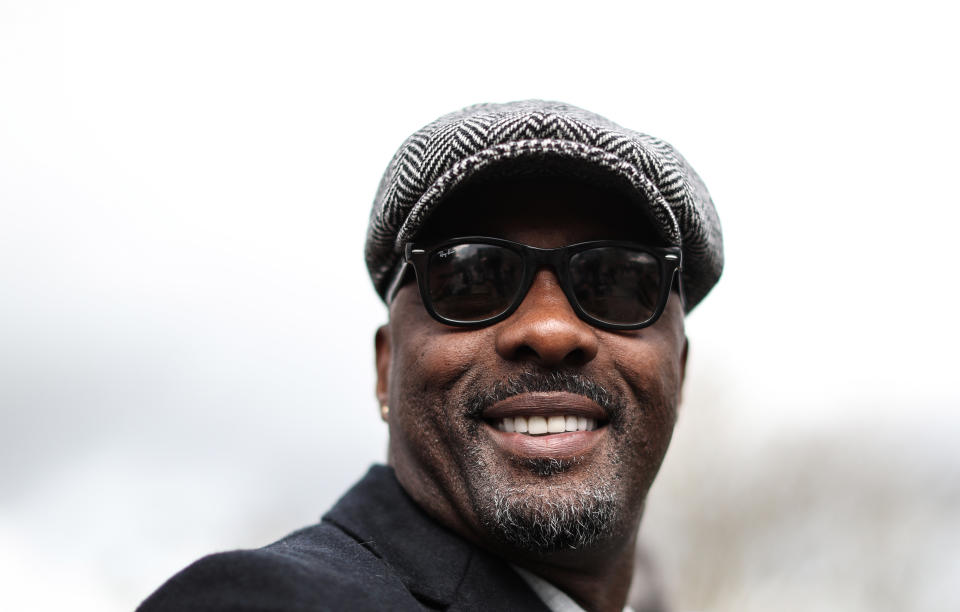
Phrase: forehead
(541, 211)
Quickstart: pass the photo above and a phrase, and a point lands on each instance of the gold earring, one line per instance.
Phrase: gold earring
(384, 411)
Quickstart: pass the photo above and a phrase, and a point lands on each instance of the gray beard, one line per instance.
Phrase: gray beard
(559, 520)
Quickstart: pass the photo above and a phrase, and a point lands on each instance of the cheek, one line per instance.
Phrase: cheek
(652, 365)
(429, 362)
(425, 354)
(656, 362)
(429, 357)
(427, 432)
(652, 368)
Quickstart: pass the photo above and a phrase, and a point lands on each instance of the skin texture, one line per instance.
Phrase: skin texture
(447, 457)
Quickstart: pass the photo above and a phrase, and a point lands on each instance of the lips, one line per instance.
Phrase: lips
(555, 425)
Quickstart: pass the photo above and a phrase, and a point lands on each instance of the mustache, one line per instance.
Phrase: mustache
(557, 381)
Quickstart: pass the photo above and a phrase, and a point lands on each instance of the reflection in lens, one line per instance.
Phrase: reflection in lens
(616, 284)
(472, 282)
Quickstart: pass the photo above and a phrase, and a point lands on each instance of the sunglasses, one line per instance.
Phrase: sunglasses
(477, 281)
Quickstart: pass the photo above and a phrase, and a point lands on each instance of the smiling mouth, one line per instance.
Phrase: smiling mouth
(548, 425)
(546, 414)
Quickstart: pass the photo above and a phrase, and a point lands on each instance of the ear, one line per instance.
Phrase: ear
(381, 343)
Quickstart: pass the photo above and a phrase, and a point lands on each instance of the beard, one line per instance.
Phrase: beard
(540, 521)
(546, 512)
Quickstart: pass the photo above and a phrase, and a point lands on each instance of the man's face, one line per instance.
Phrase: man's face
(448, 388)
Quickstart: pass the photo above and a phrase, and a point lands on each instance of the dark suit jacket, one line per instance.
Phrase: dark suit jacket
(375, 550)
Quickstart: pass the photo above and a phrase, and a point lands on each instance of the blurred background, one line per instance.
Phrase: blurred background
(186, 324)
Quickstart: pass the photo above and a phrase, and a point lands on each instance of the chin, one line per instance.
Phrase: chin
(549, 505)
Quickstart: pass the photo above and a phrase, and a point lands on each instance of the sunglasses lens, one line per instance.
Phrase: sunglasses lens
(473, 282)
(616, 284)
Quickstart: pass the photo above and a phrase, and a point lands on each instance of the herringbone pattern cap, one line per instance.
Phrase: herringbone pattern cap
(435, 160)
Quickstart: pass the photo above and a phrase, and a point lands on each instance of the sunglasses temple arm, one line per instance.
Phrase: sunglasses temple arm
(396, 282)
(683, 297)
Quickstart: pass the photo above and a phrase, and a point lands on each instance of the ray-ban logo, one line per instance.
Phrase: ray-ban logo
(446, 253)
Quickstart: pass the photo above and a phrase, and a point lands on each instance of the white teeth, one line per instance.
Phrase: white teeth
(556, 424)
(539, 425)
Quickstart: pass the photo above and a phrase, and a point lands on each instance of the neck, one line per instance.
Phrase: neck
(599, 581)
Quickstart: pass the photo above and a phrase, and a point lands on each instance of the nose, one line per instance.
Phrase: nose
(545, 329)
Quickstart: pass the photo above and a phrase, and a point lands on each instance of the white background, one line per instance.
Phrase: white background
(186, 323)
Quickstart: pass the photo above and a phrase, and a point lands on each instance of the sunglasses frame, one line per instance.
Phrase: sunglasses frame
(668, 258)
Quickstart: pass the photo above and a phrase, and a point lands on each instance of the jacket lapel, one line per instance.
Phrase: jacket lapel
(440, 568)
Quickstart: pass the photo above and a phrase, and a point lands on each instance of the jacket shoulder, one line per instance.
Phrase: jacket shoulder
(317, 568)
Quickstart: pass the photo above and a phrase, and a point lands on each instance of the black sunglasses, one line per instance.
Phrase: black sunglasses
(477, 281)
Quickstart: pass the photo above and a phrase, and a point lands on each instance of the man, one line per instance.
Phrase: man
(537, 261)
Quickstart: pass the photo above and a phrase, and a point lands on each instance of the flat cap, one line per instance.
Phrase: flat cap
(493, 138)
